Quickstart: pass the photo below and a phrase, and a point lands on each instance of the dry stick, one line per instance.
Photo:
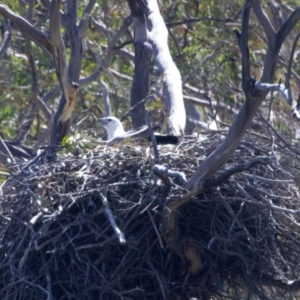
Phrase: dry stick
(161, 285)
(277, 134)
(264, 160)
(267, 179)
(153, 139)
(284, 89)
(111, 219)
(48, 278)
(269, 205)
(132, 108)
(34, 160)
(156, 230)
(289, 68)
(270, 106)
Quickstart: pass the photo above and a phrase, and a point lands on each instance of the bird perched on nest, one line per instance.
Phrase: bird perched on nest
(116, 132)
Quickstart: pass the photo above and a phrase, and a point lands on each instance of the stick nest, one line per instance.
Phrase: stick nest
(58, 239)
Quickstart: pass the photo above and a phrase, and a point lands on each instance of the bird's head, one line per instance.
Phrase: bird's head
(113, 126)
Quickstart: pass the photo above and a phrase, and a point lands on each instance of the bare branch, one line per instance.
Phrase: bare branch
(288, 25)
(6, 157)
(59, 53)
(85, 18)
(243, 44)
(26, 28)
(264, 160)
(264, 21)
(289, 68)
(6, 38)
(195, 20)
(280, 87)
(109, 214)
(152, 136)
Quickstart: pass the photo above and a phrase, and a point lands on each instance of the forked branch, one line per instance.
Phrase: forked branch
(253, 96)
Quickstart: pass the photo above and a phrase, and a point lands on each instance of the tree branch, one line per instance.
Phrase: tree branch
(264, 21)
(6, 38)
(264, 160)
(288, 25)
(85, 18)
(6, 157)
(243, 44)
(26, 28)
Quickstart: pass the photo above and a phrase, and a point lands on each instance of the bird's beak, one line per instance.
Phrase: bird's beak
(102, 121)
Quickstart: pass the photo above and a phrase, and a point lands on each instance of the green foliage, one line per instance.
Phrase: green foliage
(205, 51)
(78, 143)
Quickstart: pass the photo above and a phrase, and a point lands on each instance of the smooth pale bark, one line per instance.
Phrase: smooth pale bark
(158, 38)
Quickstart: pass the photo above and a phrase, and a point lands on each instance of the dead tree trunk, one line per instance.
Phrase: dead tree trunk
(156, 33)
(158, 38)
(140, 85)
(253, 96)
(67, 74)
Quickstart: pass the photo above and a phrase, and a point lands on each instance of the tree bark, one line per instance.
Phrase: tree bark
(254, 97)
(140, 85)
(158, 38)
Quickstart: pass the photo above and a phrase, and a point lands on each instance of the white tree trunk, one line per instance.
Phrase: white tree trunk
(158, 38)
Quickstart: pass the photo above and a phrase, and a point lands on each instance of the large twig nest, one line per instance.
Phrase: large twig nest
(58, 240)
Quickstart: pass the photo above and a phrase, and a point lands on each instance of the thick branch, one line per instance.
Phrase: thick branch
(264, 21)
(6, 38)
(26, 28)
(6, 157)
(158, 38)
(243, 44)
(59, 52)
(288, 25)
(85, 18)
(264, 160)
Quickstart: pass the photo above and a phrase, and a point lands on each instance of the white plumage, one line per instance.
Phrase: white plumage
(113, 127)
(116, 132)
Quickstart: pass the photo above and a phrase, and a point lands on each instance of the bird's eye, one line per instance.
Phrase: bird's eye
(108, 120)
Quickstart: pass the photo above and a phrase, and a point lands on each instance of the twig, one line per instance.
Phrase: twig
(270, 205)
(277, 134)
(153, 139)
(155, 229)
(280, 181)
(48, 278)
(111, 219)
(237, 169)
(132, 108)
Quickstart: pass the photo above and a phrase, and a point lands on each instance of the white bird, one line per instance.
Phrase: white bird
(116, 132)
(113, 127)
